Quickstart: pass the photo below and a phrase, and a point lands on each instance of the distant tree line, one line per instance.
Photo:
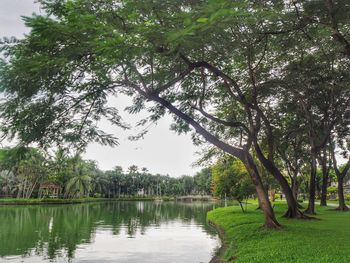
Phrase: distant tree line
(24, 170)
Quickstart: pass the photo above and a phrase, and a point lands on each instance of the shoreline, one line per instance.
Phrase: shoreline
(61, 201)
(58, 201)
(223, 247)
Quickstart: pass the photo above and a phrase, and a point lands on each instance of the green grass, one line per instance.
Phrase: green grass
(37, 201)
(335, 202)
(324, 240)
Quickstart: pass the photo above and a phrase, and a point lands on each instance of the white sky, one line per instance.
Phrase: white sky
(161, 151)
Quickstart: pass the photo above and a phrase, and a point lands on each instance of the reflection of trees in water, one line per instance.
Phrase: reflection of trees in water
(49, 230)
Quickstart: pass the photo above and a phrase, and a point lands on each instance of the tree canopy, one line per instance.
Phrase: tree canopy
(242, 75)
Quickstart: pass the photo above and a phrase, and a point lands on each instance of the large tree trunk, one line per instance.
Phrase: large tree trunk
(295, 187)
(264, 202)
(312, 190)
(325, 175)
(324, 187)
(293, 207)
(342, 206)
(293, 210)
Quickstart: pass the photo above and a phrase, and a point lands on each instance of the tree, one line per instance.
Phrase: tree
(230, 179)
(79, 185)
(187, 184)
(202, 181)
(60, 167)
(319, 26)
(320, 109)
(31, 172)
(340, 173)
(292, 151)
(96, 49)
(24, 169)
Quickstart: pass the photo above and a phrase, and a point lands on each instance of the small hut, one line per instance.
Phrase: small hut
(49, 189)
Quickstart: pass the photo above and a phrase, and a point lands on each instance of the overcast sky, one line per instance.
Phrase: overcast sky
(161, 151)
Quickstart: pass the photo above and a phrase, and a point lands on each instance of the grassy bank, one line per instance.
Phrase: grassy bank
(324, 240)
(334, 202)
(37, 201)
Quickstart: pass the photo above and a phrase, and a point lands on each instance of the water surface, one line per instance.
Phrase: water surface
(157, 232)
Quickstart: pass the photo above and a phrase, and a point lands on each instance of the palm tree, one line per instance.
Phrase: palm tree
(99, 183)
(78, 186)
(7, 183)
(23, 168)
(80, 183)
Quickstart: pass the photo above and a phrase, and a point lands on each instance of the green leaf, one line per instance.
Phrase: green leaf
(202, 20)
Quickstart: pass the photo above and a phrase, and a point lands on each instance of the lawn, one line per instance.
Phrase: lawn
(324, 240)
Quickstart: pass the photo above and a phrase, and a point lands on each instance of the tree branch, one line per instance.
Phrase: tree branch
(168, 85)
(231, 124)
(235, 151)
(340, 174)
(337, 35)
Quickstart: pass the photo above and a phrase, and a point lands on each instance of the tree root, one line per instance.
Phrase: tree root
(297, 214)
(343, 208)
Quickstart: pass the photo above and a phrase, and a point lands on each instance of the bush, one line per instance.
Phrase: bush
(277, 196)
(332, 192)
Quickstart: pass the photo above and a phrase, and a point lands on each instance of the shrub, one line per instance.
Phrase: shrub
(277, 196)
(347, 197)
(332, 192)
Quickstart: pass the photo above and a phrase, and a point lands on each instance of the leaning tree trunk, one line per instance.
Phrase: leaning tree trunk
(293, 206)
(312, 190)
(264, 202)
(342, 206)
(243, 155)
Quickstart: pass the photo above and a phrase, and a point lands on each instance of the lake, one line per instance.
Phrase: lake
(167, 232)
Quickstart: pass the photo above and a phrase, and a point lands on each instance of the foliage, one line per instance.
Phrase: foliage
(347, 197)
(202, 181)
(332, 191)
(230, 179)
(23, 169)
